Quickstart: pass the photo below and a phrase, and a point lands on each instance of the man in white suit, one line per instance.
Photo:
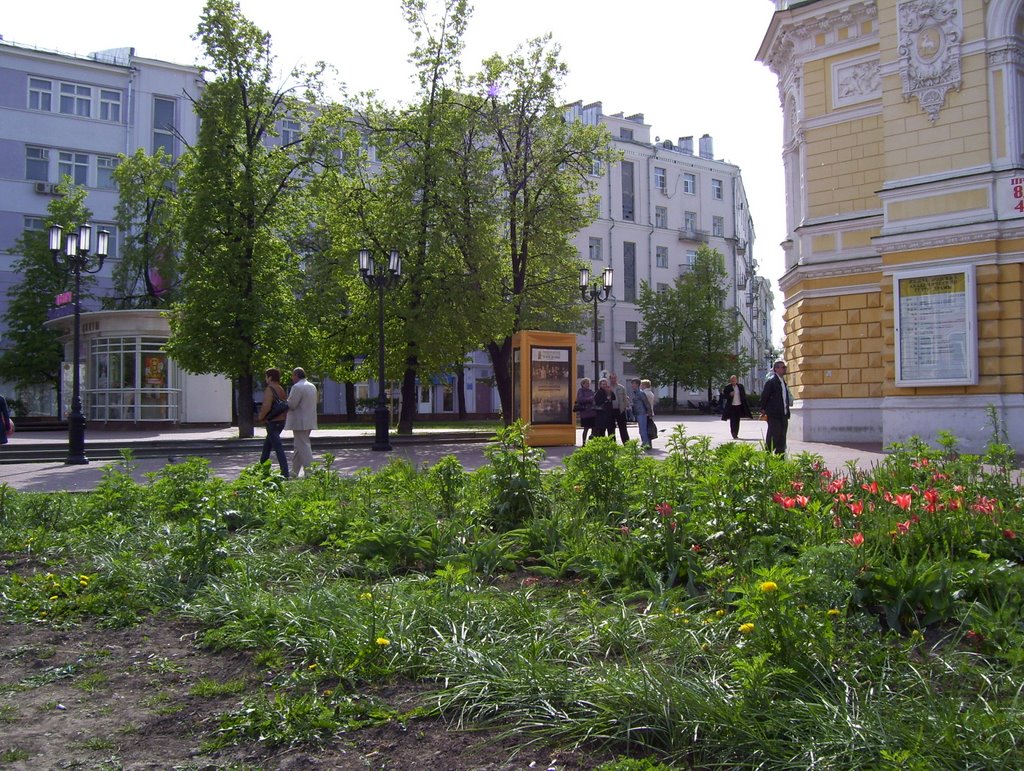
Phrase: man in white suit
(301, 419)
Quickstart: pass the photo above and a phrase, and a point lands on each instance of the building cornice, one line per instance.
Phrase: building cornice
(792, 32)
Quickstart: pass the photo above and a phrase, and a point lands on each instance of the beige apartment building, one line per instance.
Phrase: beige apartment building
(903, 144)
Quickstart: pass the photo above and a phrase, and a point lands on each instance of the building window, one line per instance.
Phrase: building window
(163, 125)
(105, 165)
(595, 249)
(600, 330)
(690, 221)
(629, 271)
(718, 226)
(660, 217)
(596, 168)
(75, 100)
(110, 105)
(40, 94)
(689, 184)
(625, 133)
(37, 164)
(661, 256)
(631, 328)
(716, 189)
(662, 288)
(628, 195)
(131, 379)
(291, 131)
(74, 165)
(34, 223)
(691, 258)
(660, 181)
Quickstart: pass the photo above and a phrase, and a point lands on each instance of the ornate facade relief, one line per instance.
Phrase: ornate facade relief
(929, 49)
(857, 81)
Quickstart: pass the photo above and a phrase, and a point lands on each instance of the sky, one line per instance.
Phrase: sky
(687, 65)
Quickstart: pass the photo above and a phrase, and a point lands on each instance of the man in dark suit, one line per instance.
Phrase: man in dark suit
(775, 402)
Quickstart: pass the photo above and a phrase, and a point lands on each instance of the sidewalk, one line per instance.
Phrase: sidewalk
(51, 476)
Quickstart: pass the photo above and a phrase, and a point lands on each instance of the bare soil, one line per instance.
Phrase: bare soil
(87, 697)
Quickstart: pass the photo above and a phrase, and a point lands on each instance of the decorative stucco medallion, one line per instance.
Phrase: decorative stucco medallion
(930, 33)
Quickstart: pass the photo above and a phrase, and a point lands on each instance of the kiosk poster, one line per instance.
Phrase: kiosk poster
(550, 386)
(933, 331)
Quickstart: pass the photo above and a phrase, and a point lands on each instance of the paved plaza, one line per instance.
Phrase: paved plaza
(37, 476)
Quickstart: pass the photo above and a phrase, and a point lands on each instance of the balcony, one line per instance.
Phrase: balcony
(699, 236)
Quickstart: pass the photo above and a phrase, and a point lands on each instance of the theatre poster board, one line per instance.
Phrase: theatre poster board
(936, 327)
(543, 387)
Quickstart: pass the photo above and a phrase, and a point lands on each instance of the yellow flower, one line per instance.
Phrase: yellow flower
(83, 583)
(312, 666)
(769, 586)
(677, 611)
(833, 612)
(365, 596)
(382, 641)
(719, 613)
(53, 598)
(746, 628)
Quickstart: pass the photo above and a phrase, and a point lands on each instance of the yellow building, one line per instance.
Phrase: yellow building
(904, 157)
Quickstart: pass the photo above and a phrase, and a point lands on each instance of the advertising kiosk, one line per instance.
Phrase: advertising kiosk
(544, 387)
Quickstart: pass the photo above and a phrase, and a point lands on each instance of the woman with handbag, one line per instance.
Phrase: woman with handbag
(585, 407)
(734, 400)
(274, 410)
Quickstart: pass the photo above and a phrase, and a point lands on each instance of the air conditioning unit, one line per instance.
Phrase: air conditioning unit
(47, 188)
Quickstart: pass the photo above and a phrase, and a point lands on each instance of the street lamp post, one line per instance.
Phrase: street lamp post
(595, 294)
(380, 276)
(73, 256)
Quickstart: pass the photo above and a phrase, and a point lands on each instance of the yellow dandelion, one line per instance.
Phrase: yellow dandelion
(746, 628)
(769, 586)
(719, 613)
(312, 666)
(677, 611)
(382, 641)
(53, 598)
(365, 596)
(83, 578)
(83, 583)
(833, 612)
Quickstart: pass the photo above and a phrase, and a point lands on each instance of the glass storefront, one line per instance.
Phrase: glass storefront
(131, 379)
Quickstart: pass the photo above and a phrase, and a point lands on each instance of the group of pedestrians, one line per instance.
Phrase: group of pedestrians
(604, 410)
(294, 411)
(607, 409)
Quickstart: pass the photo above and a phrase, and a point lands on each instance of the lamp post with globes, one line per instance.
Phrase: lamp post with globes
(380, 276)
(71, 252)
(595, 294)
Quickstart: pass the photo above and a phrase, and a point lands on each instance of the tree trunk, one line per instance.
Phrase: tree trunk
(460, 383)
(246, 407)
(350, 401)
(501, 359)
(409, 397)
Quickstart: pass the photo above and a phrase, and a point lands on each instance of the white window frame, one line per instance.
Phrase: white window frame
(42, 156)
(716, 189)
(105, 166)
(661, 256)
(40, 91)
(690, 221)
(718, 226)
(689, 183)
(291, 131)
(79, 98)
(110, 105)
(660, 179)
(661, 216)
(595, 249)
(74, 165)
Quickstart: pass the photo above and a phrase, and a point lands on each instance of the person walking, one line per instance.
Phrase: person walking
(622, 407)
(301, 419)
(641, 410)
(734, 405)
(6, 424)
(585, 402)
(604, 404)
(775, 403)
(274, 415)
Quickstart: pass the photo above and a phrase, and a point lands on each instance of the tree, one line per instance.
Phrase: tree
(237, 304)
(545, 188)
(32, 356)
(688, 336)
(146, 275)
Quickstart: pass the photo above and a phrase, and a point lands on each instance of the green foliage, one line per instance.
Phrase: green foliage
(722, 606)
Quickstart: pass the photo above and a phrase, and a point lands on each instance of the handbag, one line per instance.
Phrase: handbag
(577, 407)
(652, 428)
(278, 408)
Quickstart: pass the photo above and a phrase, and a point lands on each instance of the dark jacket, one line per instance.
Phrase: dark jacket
(5, 416)
(604, 401)
(773, 398)
(742, 411)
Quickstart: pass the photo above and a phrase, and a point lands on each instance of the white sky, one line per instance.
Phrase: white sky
(687, 65)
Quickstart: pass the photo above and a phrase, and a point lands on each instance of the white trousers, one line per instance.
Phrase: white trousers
(302, 456)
